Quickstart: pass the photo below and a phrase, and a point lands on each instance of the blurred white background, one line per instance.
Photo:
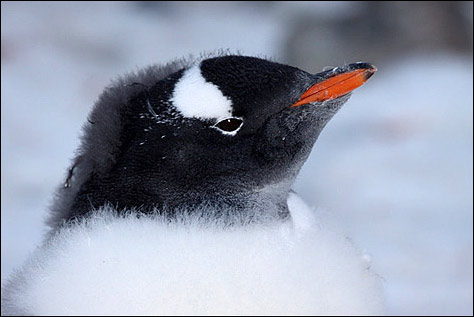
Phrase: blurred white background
(394, 166)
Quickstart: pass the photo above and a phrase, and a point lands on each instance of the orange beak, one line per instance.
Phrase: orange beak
(337, 82)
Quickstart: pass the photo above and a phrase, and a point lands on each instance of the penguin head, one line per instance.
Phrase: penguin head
(227, 130)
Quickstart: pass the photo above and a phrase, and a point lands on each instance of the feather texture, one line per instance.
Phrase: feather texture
(129, 265)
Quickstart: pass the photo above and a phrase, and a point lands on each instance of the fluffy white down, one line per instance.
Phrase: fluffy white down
(129, 266)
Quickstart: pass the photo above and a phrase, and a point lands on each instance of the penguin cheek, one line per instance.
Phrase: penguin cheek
(286, 139)
(276, 145)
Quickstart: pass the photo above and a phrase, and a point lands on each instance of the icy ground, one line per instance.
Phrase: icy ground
(394, 165)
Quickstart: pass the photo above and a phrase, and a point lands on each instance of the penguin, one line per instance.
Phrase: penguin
(179, 200)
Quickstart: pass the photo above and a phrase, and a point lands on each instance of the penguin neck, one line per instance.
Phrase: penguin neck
(247, 204)
(257, 205)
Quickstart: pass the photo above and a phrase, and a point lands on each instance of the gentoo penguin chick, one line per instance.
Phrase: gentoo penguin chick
(179, 200)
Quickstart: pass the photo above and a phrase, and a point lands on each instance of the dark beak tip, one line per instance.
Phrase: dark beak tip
(362, 65)
(369, 69)
(369, 73)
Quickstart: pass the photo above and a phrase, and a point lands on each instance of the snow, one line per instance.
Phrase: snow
(394, 166)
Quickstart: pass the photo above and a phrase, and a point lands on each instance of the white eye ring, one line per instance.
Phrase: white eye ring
(229, 126)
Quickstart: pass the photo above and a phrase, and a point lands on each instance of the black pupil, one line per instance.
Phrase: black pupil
(229, 125)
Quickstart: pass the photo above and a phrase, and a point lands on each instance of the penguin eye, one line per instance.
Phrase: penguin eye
(229, 124)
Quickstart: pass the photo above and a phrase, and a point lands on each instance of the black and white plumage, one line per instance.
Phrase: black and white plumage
(179, 202)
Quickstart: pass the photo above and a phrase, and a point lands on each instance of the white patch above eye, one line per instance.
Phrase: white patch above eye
(194, 97)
